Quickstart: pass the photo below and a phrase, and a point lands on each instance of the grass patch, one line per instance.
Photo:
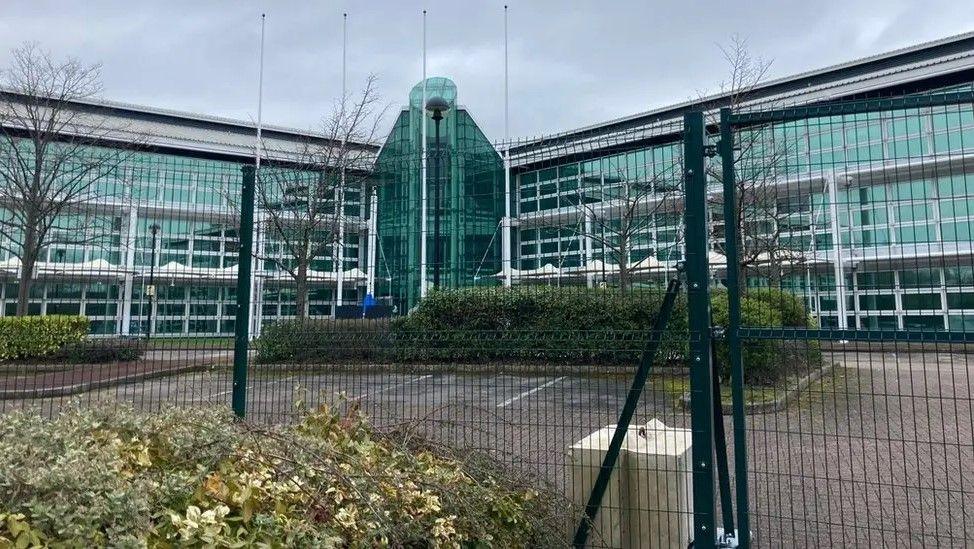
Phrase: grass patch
(169, 343)
(677, 386)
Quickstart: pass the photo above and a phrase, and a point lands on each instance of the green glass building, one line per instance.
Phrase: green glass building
(455, 220)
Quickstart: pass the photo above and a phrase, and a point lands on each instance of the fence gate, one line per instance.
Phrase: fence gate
(843, 235)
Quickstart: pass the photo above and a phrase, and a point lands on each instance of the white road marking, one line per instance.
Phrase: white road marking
(391, 387)
(531, 392)
(254, 384)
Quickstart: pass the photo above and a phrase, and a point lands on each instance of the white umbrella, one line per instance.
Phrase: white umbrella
(354, 274)
(649, 263)
(175, 270)
(96, 268)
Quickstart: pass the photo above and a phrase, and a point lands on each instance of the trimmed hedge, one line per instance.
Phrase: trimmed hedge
(600, 326)
(312, 340)
(543, 324)
(28, 337)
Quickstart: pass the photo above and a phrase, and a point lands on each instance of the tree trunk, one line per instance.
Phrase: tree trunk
(27, 261)
(301, 283)
(625, 277)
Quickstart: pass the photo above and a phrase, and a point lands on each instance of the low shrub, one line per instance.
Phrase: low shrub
(791, 356)
(29, 337)
(792, 308)
(198, 478)
(547, 325)
(604, 326)
(325, 340)
(762, 365)
(95, 351)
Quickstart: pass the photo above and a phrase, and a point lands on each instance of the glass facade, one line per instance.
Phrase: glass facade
(464, 202)
(101, 259)
(891, 192)
(904, 203)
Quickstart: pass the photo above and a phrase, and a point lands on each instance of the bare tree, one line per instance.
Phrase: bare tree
(619, 208)
(49, 165)
(302, 205)
(760, 158)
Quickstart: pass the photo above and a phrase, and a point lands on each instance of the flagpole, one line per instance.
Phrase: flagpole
(260, 94)
(339, 260)
(422, 178)
(256, 308)
(506, 251)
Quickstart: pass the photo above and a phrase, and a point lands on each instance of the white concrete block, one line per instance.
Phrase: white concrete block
(648, 502)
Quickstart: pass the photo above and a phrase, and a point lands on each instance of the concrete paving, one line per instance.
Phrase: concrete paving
(879, 452)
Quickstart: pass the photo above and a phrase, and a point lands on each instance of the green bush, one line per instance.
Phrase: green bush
(767, 361)
(762, 365)
(547, 325)
(29, 337)
(792, 308)
(536, 324)
(95, 351)
(325, 340)
(111, 477)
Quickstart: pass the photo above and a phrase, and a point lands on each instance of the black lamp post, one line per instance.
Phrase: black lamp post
(152, 278)
(437, 106)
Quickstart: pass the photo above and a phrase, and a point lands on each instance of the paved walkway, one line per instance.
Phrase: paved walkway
(27, 381)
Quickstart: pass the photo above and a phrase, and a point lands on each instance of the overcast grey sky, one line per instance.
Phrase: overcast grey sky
(572, 63)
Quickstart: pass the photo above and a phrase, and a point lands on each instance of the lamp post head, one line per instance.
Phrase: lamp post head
(437, 105)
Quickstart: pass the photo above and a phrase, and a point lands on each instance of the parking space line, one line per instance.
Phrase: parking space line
(252, 384)
(514, 399)
(391, 387)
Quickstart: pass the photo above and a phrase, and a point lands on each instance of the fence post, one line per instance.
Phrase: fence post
(731, 243)
(698, 307)
(241, 326)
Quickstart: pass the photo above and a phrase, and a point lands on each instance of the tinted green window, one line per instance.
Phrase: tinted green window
(914, 212)
(548, 174)
(959, 185)
(64, 308)
(921, 301)
(915, 234)
(99, 309)
(912, 190)
(961, 323)
(916, 322)
(919, 278)
(961, 207)
(957, 232)
(875, 281)
(879, 322)
(959, 276)
(960, 301)
(877, 303)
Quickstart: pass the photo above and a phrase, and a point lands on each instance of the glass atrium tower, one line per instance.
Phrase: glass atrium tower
(464, 201)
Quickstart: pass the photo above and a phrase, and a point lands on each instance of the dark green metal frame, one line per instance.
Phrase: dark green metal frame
(726, 149)
(698, 307)
(743, 119)
(241, 329)
(735, 333)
